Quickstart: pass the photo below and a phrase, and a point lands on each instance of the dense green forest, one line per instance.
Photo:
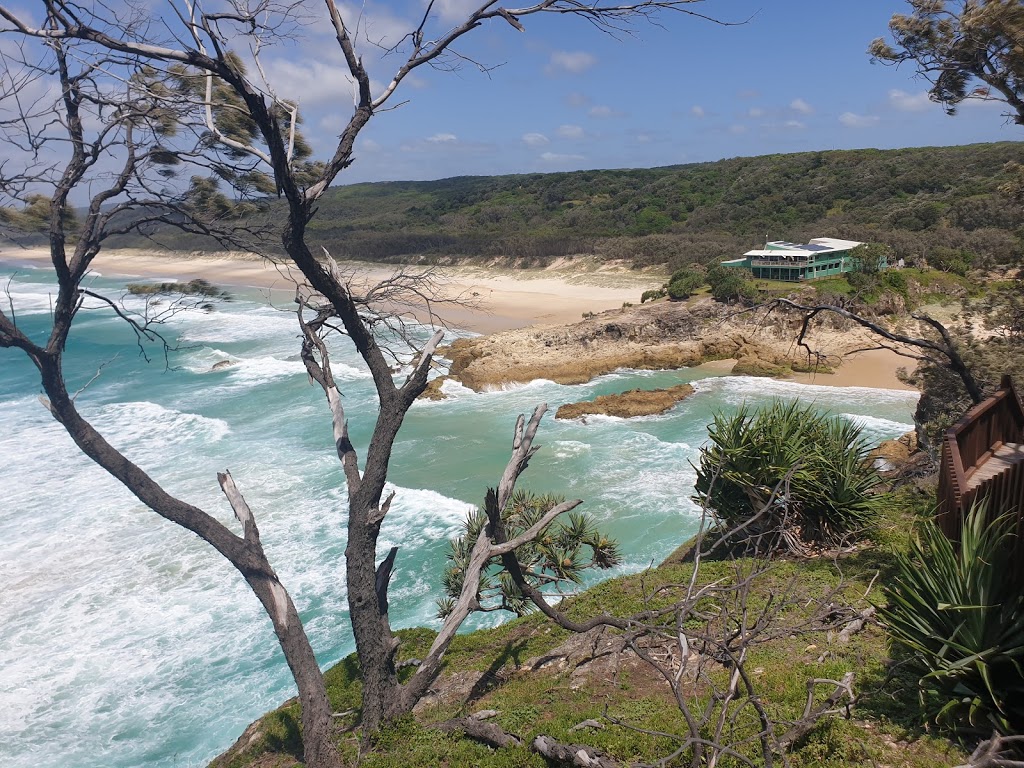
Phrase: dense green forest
(915, 200)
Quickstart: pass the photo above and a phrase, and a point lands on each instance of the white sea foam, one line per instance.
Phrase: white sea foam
(738, 388)
(248, 325)
(564, 449)
(27, 301)
(418, 513)
(875, 425)
(139, 423)
(452, 388)
(129, 641)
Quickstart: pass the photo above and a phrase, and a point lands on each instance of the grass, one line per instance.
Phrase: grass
(885, 729)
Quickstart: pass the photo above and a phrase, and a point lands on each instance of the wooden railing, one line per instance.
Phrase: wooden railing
(967, 445)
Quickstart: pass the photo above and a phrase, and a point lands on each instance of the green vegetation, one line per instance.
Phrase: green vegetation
(914, 200)
(998, 350)
(789, 474)
(683, 283)
(729, 285)
(960, 616)
(532, 698)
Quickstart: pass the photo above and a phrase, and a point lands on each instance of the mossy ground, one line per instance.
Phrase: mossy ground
(884, 728)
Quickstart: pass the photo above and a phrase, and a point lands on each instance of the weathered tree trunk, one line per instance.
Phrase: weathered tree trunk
(245, 553)
(318, 745)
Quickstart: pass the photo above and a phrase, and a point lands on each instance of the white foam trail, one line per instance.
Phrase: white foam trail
(424, 514)
(518, 386)
(143, 423)
(564, 449)
(738, 388)
(874, 424)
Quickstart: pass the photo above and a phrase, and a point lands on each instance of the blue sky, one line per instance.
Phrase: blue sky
(565, 96)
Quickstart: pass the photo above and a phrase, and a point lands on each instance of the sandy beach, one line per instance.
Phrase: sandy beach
(500, 299)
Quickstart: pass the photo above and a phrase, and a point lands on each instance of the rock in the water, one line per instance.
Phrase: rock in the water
(433, 390)
(636, 402)
(221, 364)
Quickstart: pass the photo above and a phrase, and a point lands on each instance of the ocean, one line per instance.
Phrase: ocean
(127, 641)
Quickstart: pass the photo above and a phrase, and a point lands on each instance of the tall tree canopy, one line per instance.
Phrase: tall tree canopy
(972, 49)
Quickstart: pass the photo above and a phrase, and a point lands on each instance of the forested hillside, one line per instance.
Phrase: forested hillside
(915, 200)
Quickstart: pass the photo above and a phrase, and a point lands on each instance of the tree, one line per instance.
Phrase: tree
(937, 350)
(729, 285)
(684, 283)
(136, 103)
(967, 49)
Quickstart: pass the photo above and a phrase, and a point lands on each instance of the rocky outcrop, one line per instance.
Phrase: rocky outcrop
(635, 402)
(659, 336)
(895, 453)
(433, 390)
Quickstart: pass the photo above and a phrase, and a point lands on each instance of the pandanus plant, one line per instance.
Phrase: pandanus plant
(960, 618)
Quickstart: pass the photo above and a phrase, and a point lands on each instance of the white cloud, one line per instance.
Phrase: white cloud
(535, 139)
(736, 130)
(755, 112)
(572, 62)
(570, 132)
(909, 102)
(602, 111)
(310, 81)
(577, 99)
(455, 10)
(851, 120)
(443, 138)
(794, 124)
(801, 106)
(555, 157)
(698, 111)
(643, 138)
(369, 145)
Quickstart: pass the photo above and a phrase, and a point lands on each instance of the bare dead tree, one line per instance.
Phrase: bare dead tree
(997, 752)
(943, 351)
(700, 645)
(152, 83)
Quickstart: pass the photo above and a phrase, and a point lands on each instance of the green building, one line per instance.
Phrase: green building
(779, 260)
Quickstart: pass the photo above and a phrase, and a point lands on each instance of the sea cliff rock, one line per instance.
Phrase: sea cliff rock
(635, 402)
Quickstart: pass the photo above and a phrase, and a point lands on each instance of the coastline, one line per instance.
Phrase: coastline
(502, 299)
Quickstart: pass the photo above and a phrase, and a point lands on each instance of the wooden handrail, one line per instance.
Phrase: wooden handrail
(996, 420)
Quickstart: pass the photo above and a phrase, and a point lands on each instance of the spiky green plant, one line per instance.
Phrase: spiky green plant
(803, 475)
(961, 618)
(558, 556)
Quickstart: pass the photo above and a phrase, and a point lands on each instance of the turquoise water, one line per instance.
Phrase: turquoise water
(127, 641)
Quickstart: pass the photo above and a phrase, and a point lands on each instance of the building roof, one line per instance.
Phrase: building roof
(819, 246)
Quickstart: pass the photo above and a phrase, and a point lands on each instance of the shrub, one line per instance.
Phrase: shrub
(955, 260)
(962, 620)
(651, 295)
(792, 476)
(684, 283)
(729, 285)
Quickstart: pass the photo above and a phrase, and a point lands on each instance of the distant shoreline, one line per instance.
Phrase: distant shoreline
(504, 299)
